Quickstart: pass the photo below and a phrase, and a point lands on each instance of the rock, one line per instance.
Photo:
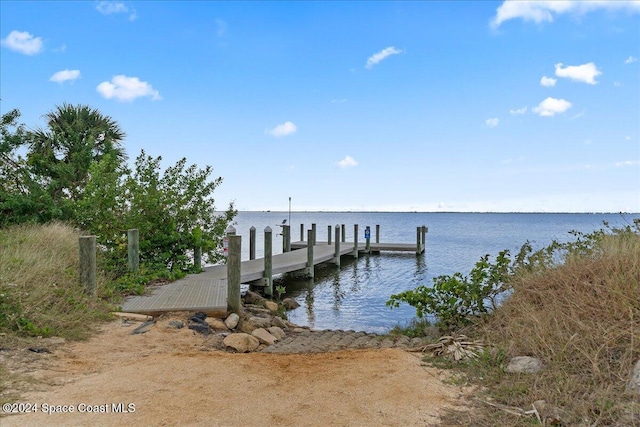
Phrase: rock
(253, 298)
(300, 330)
(276, 332)
(246, 326)
(175, 324)
(260, 322)
(263, 336)
(216, 324)
(272, 306)
(200, 315)
(633, 386)
(524, 364)
(199, 327)
(551, 415)
(232, 321)
(279, 322)
(143, 328)
(242, 343)
(290, 303)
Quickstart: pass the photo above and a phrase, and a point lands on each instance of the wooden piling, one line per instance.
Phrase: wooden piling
(233, 273)
(302, 232)
(425, 230)
(197, 258)
(336, 255)
(310, 271)
(344, 234)
(313, 228)
(355, 241)
(418, 240)
(367, 236)
(268, 261)
(252, 243)
(286, 238)
(377, 233)
(133, 250)
(87, 258)
(329, 235)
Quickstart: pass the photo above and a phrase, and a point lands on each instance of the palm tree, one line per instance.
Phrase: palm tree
(76, 136)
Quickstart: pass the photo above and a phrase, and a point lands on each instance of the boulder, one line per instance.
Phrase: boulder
(216, 324)
(524, 364)
(276, 332)
(633, 386)
(232, 321)
(263, 336)
(272, 306)
(253, 298)
(279, 322)
(242, 343)
(290, 303)
(260, 322)
(175, 324)
(246, 326)
(201, 328)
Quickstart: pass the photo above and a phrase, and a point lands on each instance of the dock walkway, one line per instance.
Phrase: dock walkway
(207, 291)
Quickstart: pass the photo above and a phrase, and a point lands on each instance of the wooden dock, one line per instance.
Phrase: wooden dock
(209, 291)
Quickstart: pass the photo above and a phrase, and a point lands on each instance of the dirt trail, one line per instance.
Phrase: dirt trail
(175, 377)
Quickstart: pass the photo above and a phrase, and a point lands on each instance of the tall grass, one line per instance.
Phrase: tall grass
(581, 317)
(40, 294)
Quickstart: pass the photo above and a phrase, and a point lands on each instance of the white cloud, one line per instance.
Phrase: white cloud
(125, 88)
(347, 162)
(552, 106)
(540, 11)
(492, 122)
(628, 163)
(630, 60)
(384, 53)
(586, 73)
(627, 138)
(548, 81)
(23, 42)
(65, 75)
(111, 7)
(286, 128)
(518, 111)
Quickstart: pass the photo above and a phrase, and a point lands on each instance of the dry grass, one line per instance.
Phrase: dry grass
(582, 319)
(39, 290)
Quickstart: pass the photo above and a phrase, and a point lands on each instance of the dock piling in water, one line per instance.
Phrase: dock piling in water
(268, 261)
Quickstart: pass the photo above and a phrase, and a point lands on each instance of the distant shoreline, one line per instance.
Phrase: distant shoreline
(445, 212)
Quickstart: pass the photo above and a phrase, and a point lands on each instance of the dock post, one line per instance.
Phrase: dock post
(336, 255)
(355, 241)
(367, 237)
(329, 235)
(233, 270)
(344, 234)
(87, 258)
(302, 232)
(133, 249)
(197, 258)
(268, 261)
(310, 254)
(313, 228)
(252, 242)
(425, 230)
(377, 233)
(286, 238)
(418, 240)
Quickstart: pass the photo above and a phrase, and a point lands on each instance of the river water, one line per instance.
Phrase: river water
(354, 296)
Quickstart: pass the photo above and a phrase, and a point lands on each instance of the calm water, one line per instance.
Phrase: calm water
(354, 296)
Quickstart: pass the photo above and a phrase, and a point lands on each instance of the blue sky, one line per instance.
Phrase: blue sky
(395, 106)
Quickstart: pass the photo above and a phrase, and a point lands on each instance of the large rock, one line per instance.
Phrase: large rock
(633, 386)
(263, 336)
(524, 364)
(232, 321)
(276, 332)
(253, 298)
(242, 343)
(272, 306)
(279, 322)
(216, 324)
(260, 322)
(290, 303)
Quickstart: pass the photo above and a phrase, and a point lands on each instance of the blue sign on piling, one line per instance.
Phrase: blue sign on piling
(367, 233)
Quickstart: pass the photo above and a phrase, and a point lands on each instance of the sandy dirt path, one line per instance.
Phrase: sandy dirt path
(173, 378)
